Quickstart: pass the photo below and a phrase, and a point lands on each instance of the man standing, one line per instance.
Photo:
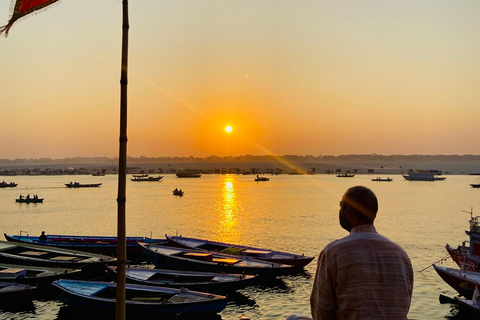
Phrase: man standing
(364, 275)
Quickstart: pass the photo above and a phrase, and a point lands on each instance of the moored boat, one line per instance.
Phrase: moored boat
(82, 185)
(214, 282)
(12, 292)
(468, 257)
(39, 255)
(345, 175)
(95, 244)
(141, 301)
(33, 275)
(471, 306)
(208, 261)
(145, 177)
(296, 260)
(462, 281)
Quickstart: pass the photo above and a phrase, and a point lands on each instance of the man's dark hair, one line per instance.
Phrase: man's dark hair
(363, 201)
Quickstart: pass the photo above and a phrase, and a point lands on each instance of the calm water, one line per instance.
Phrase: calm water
(291, 213)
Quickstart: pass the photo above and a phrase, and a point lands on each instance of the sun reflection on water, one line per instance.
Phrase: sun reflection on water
(229, 209)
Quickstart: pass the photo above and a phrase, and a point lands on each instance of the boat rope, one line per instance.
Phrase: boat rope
(440, 260)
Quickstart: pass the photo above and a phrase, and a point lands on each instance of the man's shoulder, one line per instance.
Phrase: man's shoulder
(356, 239)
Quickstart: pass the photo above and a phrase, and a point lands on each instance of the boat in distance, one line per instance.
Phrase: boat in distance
(145, 177)
(4, 184)
(141, 301)
(186, 174)
(424, 175)
(382, 179)
(95, 244)
(166, 257)
(345, 175)
(178, 192)
(258, 178)
(45, 256)
(33, 275)
(82, 185)
(296, 260)
(29, 200)
(463, 282)
(214, 282)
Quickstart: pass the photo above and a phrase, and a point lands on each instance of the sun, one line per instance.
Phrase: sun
(228, 129)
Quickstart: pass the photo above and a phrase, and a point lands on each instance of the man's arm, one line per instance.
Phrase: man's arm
(323, 298)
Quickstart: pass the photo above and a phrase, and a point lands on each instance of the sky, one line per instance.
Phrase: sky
(305, 77)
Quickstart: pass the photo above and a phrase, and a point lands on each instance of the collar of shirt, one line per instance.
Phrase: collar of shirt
(363, 228)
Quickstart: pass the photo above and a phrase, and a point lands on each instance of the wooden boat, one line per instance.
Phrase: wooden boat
(470, 306)
(468, 257)
(261, 178)
(29, 200)
(422, 175)
(12, 292)
(193, 280)
(145, 177)
(45, 256)
(82, 185)
(4, 184)
(380, 179)
(95, 244)
(207, 261)
(463, 282)
(35, 275)
(177, 192)
(186, 174)
(345, 175)
(296, 260)
(475, 185)
(141, 301)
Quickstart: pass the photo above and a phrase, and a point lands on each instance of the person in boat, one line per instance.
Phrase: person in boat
(42, 237)
(364, 273)
(28, 196)
(21, 197)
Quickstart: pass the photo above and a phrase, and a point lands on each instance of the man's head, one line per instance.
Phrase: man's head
(358, 206)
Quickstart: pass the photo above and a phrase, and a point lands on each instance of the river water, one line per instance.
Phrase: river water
(295, 213)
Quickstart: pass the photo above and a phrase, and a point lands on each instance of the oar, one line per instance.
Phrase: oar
(444, 299)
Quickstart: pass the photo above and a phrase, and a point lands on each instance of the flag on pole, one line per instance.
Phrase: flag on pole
(21, 8)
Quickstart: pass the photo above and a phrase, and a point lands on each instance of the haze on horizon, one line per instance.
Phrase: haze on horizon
(289, 77)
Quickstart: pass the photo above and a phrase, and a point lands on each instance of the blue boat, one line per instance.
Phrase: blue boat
(141, 301)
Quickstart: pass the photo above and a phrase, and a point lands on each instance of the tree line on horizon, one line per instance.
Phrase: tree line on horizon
(246, 158)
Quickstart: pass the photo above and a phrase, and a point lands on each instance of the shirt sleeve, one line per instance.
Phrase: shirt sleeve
(322, 299)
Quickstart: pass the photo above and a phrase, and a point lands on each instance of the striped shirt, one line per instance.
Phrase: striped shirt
(362, 276)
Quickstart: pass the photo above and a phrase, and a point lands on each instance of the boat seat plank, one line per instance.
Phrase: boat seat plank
(34, 253)
(63, 258)
(225, 260)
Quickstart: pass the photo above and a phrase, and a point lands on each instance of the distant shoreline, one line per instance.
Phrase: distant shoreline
(358, 164)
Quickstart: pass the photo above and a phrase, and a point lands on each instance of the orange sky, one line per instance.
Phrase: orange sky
(291, 77)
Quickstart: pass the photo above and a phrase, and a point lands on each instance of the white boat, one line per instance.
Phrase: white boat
(424, 175)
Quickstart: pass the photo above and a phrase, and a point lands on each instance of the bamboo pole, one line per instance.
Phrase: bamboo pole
(122, 174)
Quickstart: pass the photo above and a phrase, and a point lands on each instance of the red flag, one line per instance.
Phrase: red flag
(21, 8)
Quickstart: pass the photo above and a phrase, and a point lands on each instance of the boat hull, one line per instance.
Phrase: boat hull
(141, 300)
(80, 185)
(38, 276)
(463, 282)
(95, 244)
(29, 200)
(192, 280)
(205, 261)
(295, 260)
